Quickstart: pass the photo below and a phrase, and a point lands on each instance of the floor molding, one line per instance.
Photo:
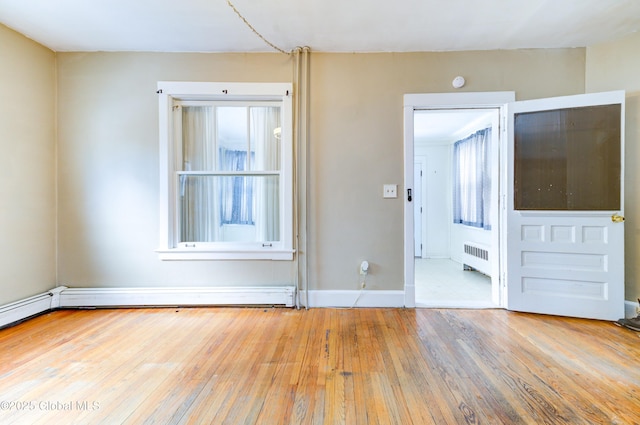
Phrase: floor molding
(28, 307)
(630, 309)
(364, 298)
(64, 297)
(159, 297)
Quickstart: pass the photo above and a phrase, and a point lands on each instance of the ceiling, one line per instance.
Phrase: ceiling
(446, 126)
(322, 25)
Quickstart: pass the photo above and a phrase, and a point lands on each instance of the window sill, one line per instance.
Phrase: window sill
(200, 254)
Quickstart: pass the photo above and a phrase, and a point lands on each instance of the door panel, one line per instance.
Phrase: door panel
(564, 253)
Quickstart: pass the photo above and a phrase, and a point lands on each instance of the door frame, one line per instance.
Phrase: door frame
(419, 195)
(435, 101)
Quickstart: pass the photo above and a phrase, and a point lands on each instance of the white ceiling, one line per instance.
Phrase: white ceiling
(447, 126)
(323, 25)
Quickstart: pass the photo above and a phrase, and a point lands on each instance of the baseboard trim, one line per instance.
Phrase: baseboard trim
(630, 309)
(164, 297)
(63, 297)
(346, 299)
(18, 311)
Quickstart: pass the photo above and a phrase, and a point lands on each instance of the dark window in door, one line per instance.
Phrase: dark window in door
(568, 159)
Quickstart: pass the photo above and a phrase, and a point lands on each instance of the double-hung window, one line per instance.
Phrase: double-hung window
(226, 171)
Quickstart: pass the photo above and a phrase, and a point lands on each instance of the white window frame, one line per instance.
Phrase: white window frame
(169, 93)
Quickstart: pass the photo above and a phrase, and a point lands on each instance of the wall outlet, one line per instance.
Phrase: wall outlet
(364, 267)
(390, 191)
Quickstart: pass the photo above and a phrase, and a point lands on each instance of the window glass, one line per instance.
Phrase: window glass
(265, 138)
(229, 209)
(232, 129)
(568, 159)
(233, 206)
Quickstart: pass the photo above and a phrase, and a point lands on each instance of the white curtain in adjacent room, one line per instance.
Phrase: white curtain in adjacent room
(472, 180)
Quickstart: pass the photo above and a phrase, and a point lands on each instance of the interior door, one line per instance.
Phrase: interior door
(564, 214)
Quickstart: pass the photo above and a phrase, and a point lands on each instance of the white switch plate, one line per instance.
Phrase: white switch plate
(390, 191)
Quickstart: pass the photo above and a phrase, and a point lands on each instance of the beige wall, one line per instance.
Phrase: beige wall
(27, 167)
(108, 155)
(616, 66)
(357, 144)
(109, 178)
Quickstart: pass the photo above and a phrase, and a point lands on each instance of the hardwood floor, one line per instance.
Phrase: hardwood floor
(321, 366)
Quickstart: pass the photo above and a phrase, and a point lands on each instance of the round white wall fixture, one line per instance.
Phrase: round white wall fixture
(458, 82)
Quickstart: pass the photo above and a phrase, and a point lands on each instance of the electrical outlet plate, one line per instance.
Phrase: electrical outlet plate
(390, 191)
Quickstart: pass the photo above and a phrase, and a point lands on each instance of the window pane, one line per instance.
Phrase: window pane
(568, 159)
(229, 208)
(232, 136)
(198, 138)
(265, 141)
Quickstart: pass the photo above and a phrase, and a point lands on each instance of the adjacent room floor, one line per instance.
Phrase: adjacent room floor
(444, 283)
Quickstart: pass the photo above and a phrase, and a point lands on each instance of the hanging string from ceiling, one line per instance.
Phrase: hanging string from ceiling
(256, 31)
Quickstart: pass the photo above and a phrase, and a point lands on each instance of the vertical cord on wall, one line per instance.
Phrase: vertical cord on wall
(363, 285)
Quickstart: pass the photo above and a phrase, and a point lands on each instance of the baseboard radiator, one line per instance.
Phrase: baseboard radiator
(64, 297)
(476, 257)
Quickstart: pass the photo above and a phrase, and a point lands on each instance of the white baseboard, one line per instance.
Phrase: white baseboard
(157, 297)
(25, 308)
(365, 298)
(63, 297)
(630, 309)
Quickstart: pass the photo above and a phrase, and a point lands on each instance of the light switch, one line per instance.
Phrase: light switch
(390, 191)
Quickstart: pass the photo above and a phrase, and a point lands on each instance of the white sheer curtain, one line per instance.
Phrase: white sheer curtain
(264, 120)
(200, 213)
(472, 180)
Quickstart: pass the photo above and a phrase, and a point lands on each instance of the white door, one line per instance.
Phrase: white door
(564, 234)
(417, 209)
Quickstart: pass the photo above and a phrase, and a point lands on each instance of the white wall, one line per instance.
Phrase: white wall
(443, 238)
(108, 155)
(436, 200)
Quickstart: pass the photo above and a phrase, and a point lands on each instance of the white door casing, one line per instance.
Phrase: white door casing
(418, 209)
(568, 263)
(413, 102)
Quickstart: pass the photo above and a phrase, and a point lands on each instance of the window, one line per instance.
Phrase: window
(472, 180)
(226, 171)
(568, 159)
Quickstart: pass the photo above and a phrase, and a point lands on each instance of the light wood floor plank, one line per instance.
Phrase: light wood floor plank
(321, 366)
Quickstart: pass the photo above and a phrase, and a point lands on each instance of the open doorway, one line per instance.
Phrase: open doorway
(454, 194)
(451, 104)
(550, 260)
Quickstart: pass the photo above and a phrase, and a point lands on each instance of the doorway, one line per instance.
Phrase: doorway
(560, 238)
(447, 271)
(452, 206)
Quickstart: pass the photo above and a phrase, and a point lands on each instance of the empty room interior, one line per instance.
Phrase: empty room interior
(319, 212)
